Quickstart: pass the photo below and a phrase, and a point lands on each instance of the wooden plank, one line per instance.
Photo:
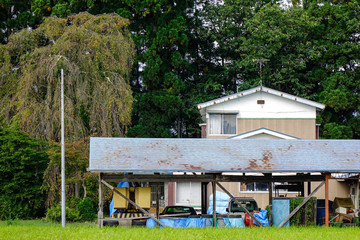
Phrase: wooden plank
(270, 200)
(134, 204)
(204, 202)
(101, 204)
(327, 177)
(157, 202)
(298, 207)
(241, 205)
(214, 202)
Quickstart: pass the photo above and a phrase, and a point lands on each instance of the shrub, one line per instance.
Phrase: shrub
(23, 161)
(54, 214)
(87, 209)
(305, 216)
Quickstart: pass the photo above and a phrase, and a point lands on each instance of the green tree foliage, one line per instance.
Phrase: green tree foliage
(160, 30)
(339, 72)
(76, 162)
(161, 76)
(14, 16)
(313, 52)
(59, 8)
(96, 54)
(23, 161)
(287, 42)
(192, 51)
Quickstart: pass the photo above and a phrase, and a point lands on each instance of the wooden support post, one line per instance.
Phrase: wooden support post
(157, 202)
(270, 200)
(327, 177)
(301, 204)
(309, 186)
(101, 204)
(241, 205)
(204, 204)
(133, 203)
(357, 194)
(214, 202)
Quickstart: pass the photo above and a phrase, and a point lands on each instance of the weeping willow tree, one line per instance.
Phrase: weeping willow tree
(96, 53)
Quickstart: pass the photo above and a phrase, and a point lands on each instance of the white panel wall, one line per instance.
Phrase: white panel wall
(274, 107)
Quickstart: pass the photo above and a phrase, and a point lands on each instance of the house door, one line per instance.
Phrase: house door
(188, 193)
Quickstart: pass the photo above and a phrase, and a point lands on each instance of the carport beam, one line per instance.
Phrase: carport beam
(214, 202)
(270, 198)
(327, 177)
(101, 205)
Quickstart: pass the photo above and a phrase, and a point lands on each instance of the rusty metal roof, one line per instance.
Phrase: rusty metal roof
(223, 155)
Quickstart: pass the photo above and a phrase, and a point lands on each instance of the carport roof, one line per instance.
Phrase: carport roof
(149, 155)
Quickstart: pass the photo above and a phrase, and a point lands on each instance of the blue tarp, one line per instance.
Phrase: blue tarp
(222, 202)
(262, 218)
(196, 222)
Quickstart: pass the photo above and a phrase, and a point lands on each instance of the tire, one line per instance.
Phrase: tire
(138, 222)
(110, 223)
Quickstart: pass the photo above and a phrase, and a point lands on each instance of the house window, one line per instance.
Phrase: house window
(255, 186)
(222, 123)
(154, 194)
(259, 186)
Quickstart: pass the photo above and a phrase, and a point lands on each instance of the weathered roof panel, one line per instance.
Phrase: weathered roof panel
(223, 155)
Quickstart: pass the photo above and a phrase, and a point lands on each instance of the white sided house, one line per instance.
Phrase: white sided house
(258, 113)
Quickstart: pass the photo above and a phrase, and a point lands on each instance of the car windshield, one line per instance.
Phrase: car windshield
(174, 210)
(250, 206)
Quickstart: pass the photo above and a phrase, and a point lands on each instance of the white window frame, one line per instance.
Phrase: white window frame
(211, 114)
(255, 191)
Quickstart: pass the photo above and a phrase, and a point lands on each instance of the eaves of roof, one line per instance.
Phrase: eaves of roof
(261, 89)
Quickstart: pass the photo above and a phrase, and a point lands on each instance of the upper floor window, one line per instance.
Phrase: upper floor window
(222, 124)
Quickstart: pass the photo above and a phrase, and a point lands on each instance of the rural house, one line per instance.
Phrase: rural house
(258, 113)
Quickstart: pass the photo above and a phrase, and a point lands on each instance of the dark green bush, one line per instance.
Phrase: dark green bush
(54, 214)
(87, 209)
(23, 161)
(305, 216)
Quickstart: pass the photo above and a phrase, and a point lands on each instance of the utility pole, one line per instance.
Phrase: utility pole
(261, 63)
(62, 153)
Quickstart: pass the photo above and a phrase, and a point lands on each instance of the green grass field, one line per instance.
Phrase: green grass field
(38, 229)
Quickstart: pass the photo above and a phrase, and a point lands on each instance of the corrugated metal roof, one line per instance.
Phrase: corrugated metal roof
(261, 89)
(222, 155)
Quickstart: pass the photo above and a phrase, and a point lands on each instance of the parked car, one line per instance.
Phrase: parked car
(176, 211)
(235, 209)
(249, 203)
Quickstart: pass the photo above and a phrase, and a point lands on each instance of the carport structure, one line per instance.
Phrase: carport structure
(155, 160)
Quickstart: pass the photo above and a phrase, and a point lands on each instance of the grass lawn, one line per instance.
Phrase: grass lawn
(39, 229)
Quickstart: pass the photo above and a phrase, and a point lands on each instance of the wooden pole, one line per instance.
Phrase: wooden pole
(214, 202)
(204, 204)
(309, 186)
(157, 201)
(270, 201)
(327, 177)
(100, 212)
